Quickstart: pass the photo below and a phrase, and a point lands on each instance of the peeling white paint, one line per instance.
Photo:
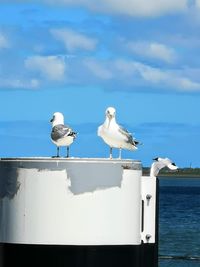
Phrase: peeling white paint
(46, 210)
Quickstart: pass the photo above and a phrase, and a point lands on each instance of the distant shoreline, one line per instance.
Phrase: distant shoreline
(180, 173)
(178, 176)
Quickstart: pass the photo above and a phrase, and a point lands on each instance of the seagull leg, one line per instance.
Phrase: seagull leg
(67, 151)
(111, 153)
(57, 156)
(58, 152)
(120, 153)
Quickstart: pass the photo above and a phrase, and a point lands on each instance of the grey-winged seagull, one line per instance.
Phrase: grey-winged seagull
(114, 135)
(61, 135)
(161, 163)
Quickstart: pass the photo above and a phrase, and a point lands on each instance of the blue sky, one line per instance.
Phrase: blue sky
(79, 57)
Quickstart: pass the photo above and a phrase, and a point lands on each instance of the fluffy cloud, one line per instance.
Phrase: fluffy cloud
(198, 3)
(73, 40)
(140, 8)
(129, 7)
(153, 50)
(98, 69)
(129, 75)
(19, 83)
(3, 41)
(51, 67)
(106, 66)
(171, 79)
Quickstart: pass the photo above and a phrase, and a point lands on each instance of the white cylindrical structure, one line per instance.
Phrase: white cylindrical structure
(48, 202)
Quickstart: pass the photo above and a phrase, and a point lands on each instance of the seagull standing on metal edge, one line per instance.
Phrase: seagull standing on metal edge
(61, 135)
(114, 135)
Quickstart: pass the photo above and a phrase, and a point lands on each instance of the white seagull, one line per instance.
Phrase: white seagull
(61, 135)
(161, 163)
(114, 135)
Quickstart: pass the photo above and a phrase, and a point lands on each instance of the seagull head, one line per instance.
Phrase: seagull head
(161, 163)
(57, 118)
(172, 166)
(110, 113)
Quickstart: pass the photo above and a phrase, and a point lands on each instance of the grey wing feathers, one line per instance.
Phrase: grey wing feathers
(60, 131)
(128, 135)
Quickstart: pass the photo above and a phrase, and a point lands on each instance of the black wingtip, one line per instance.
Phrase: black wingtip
(156, 159)
(136, 143)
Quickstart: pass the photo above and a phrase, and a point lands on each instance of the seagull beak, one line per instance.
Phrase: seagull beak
(52, 119)
(109, 118)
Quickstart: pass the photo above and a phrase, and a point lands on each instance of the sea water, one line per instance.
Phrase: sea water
(179, 222)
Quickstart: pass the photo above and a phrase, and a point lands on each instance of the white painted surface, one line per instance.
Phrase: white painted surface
(149, 189)
(45, 211)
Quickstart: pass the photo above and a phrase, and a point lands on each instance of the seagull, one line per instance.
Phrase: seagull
(61, 135)
(161, 163)
(114, 135)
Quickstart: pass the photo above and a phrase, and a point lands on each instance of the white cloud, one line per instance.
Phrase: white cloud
(3, 41)
(98, 69)
(129, 7)
(73, 40)
(168, 78)
(153, 50)
(52, 67)
(187, 85)
(146, 8)
(198, 3)
(157, 77)
(19, 83)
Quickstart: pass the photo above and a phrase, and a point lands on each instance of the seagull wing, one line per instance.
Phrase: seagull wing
(69, 132)
(123, 131)
(60, 131)
(128, 136)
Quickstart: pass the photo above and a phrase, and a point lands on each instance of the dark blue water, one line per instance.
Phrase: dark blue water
(179, 222)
